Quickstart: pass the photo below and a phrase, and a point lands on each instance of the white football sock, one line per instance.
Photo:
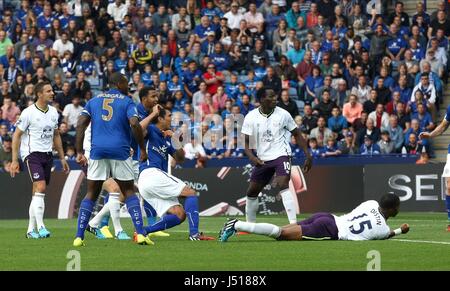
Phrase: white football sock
(266, 229)
(114, 208)
(251, 207)
(32, 220)
(39, 208)
(96, 220)
(289, 205)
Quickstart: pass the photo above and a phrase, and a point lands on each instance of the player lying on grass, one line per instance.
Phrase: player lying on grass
(365, 222)
(162, 190)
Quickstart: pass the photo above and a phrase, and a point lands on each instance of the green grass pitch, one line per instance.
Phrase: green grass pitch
(426, 247)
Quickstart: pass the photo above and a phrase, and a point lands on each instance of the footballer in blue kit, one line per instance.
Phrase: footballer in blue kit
(162, 190)
(113, 119)
(99, 224)
(443, 126)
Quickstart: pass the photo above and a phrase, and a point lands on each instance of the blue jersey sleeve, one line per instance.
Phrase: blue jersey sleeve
(131, 110)
(87, 109)
(447, 115)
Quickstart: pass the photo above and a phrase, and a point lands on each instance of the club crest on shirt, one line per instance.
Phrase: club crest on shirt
(267, 136)
(47, 132)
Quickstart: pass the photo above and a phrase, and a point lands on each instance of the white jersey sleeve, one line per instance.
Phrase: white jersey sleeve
(289, 122)
(24, 120)
(365, 222)
(247, 126)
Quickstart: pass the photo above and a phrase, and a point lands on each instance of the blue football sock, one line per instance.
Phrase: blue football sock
(105, 219)
(134, 208)
(84, 215)
(191, 206)
(167, 221)
(447, 200)
(151, 213)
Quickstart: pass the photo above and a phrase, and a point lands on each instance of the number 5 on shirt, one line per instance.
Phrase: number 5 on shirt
(107, 107)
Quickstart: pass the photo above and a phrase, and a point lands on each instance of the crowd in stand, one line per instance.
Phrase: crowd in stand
(357, 78)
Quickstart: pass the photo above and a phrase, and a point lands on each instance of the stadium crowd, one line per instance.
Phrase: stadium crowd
(356, 78)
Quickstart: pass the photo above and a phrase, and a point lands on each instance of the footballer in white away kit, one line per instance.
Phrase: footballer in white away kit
(268, 129)
(365, 222)
(36, 132)
(436, 132)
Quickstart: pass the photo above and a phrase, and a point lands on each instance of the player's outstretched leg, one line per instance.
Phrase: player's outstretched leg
(152, 218)
(267, 229)
(174, 216)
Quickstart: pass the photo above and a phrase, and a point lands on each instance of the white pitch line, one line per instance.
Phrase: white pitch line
(422, 241)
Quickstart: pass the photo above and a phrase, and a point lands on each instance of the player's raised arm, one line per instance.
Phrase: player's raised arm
(404, 228)
(59, 148)
(303, 145)
(437, 131)
(148, 120)
(15, 169)
(83, 123)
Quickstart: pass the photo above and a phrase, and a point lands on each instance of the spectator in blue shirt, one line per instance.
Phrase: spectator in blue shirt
(45, 20)
(121, 62)
(314, 148)
(331, 149)
(424, 118)
(219, 58)
(368, 148)
(296, 54)
(337, 122)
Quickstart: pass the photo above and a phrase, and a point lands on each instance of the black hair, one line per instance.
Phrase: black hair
(144, 92)
(115, 79)
(162, 114)
(389, 201)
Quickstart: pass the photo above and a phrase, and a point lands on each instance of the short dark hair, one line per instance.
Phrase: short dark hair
(144, 92)
(39, 87)
(389, 201)
(115, 79)
(162, 114)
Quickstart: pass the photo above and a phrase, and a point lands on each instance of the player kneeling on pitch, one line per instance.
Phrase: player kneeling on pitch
(162, 190)
(365, 222)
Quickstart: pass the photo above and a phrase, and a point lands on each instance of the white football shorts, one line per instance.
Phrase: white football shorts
(160, 189)
(102, 170)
